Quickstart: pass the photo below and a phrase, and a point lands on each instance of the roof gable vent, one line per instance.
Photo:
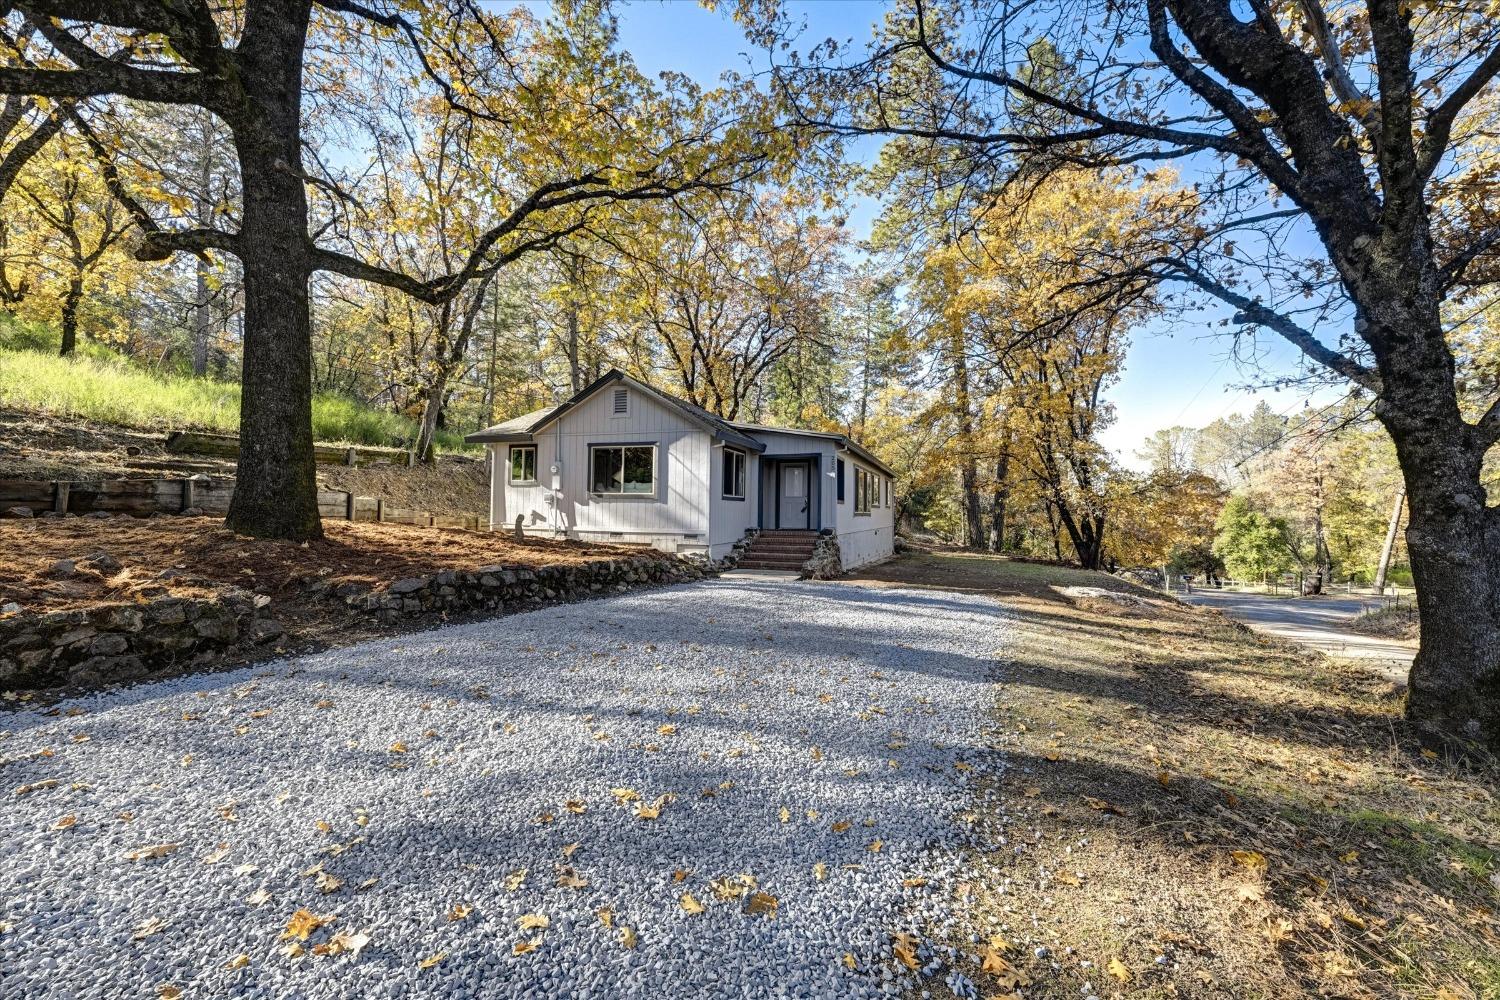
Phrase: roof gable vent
(621, 402)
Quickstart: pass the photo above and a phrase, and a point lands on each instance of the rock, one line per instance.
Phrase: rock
(216, 625)
(19, 512)
(191, 512)
(99, 515)
(264, 630)
(63, 568)
(10, 608)
(104, 563)
(408, 585)
(109, 644)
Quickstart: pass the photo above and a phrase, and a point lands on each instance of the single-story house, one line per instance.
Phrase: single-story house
(624, 462)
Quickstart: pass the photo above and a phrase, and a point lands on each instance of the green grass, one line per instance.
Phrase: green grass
(101, 386)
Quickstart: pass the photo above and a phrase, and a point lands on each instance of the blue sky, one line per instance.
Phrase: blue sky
(1175, 373)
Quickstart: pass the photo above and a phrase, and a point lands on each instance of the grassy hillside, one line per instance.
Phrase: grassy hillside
(100, 385)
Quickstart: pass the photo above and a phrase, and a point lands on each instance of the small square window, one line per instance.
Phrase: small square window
(523, 463)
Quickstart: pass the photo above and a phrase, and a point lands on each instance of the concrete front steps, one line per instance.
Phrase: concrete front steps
(780, 549)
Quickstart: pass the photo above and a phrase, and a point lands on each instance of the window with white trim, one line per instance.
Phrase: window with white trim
(523, 463)
(622, 469)
(734, 474)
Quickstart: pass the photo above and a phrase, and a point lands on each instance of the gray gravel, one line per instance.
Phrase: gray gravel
(836, 703)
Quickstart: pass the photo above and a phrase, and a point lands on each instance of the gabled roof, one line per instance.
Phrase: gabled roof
(522, 428)
(737, 433)
(843, 440)
(514, 429)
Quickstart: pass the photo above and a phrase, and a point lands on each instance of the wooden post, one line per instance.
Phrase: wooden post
(349, 457)
(187, 493)
(60, 496)
(349, 500)
(380, 508)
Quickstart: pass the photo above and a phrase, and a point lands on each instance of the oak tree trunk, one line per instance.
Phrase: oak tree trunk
(276, 489)
(70, 303)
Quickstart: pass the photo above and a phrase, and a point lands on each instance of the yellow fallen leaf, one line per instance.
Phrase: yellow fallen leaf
(576, 806)
(849, 962)
(153, 851)
(841, 826)
(667, 730)
(1119, 970)
(1254, 860)
(432, 960)
(167, 991)
(606, 916)
(786, 815)
(905, 950)
(624, 795)
(627, 936)
(65, 822)
(569, 879)
(459, 912)
(876, 846)
(400, 747)
(259, 897)
(515, 880)
(690, 904)
(533, 921)
(237, 962)
(761, 902)
(1069, 878)
(304, 922)
(820, 871)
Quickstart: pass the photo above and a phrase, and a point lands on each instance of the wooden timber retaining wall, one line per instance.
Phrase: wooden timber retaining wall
(228, 446)
(144, 497)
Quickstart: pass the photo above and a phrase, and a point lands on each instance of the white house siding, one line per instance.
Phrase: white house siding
(729, 519)
(800, 444)
(675, 518)
(864, 538)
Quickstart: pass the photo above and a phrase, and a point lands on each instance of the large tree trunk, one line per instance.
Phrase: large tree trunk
(70, 303)
(1452, 535)
(1001, 499)
(276, 488)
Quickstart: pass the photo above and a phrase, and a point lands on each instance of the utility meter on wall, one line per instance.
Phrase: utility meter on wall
(556, 470)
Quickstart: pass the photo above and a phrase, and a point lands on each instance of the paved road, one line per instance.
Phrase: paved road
(727, 789)
(1319, 622)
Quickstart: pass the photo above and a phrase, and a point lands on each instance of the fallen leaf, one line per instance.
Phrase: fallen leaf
(576, 806)
(627, 937)
(304, 922)
(820, 871)
(515, 880)
(525, 945)
(237, 962)
(148, 927)
(432, 960)
(258, 897)
(905, 950)
(37, 786)
(606, 916)
(533, 921)
(690, 904)
(153, 851)
(849, 962)
(1100, 805)
(67, 822)
(167, 991)
(761, 902)
(1253, 860)
(1119, 970)
(459, 912)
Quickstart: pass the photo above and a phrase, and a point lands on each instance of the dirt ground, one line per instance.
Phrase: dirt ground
(151, 550)
(38, 446)
(1190, 810)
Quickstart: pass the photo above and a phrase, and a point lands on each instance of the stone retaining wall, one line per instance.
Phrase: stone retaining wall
(115, 643)
(826, 561)
(497, 588)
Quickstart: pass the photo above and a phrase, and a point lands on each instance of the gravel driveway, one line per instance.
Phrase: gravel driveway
(722, 789)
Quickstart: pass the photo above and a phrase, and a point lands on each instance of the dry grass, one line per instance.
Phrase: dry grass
(1220, 814)
(205, 551)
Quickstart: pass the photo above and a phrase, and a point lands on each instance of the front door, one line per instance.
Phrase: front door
(792, 509)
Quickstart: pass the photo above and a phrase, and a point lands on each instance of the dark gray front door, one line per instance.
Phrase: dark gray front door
(792, 497)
